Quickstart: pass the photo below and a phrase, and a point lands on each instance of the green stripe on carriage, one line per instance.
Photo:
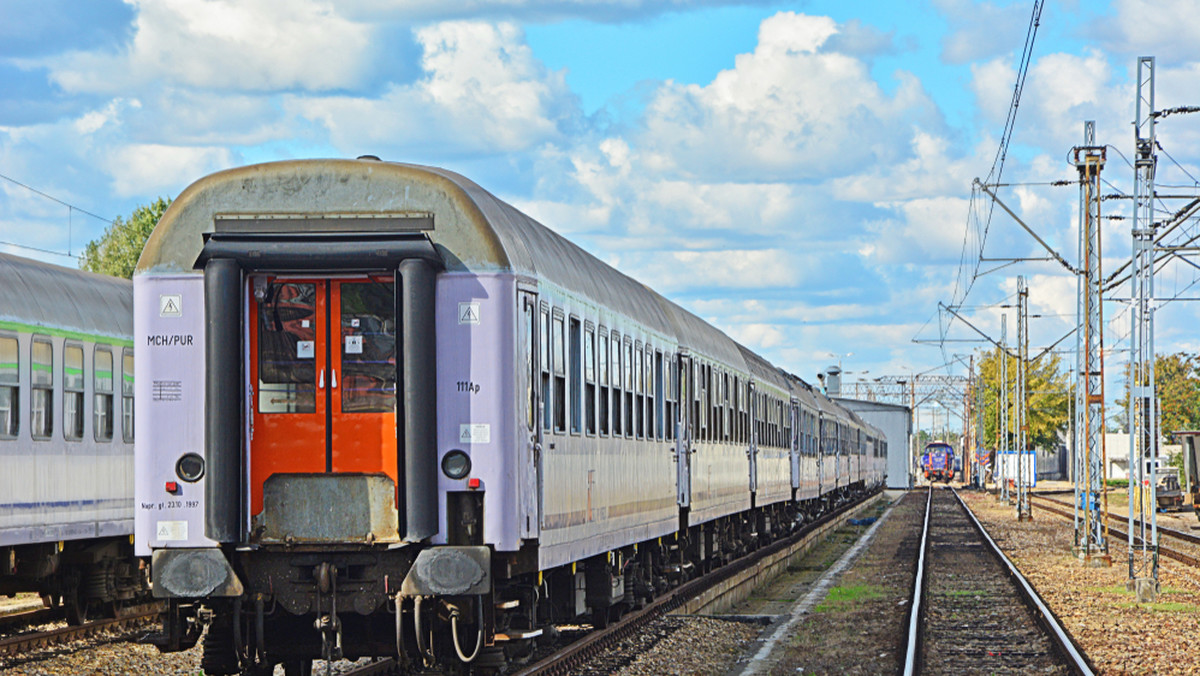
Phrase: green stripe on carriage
(64, 333)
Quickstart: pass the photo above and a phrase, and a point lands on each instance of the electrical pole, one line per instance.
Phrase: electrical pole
(1143, 409)
(1024, 510)
(1003, 466)
(1091, 491)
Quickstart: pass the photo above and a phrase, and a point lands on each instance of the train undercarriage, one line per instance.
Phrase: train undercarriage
(86, 578)
(306, 603)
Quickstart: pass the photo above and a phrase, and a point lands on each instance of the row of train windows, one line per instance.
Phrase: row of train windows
(615, 386)
(593, 381)
(42, 379)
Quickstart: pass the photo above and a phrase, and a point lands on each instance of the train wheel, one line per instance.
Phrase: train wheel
(76, 605)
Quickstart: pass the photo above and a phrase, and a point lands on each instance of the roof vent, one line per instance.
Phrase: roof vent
(369, 157)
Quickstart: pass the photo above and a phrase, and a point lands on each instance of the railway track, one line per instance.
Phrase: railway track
(973, 612)
(22, 643)
(580, 651)
(1067, 512)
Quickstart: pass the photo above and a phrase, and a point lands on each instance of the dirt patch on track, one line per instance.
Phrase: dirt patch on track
(860, 628)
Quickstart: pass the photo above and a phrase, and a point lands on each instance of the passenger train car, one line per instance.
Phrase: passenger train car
(382, 412)
(66, 437)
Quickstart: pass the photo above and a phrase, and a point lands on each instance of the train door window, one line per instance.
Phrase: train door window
(639, 397)
(102, 398)
(617, 379)
(630, 385)
(367, 312)
(589, 379)
(41, 388)
(575, 376)
(558, 347)
(604, 384)
(694, 387)
(127, 396)
(659, 398)
(531, 371)
(544, 339)
(287, 370)
(10, 387)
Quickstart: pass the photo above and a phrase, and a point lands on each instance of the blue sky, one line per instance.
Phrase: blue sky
(798, 173)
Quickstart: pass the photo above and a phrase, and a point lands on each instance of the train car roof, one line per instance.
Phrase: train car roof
(36, 294)
(471, 229)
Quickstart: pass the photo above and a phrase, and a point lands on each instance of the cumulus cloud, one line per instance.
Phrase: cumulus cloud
(148, 168)
(242, 45)
(774, 115)
(981, 30)
(483, 91)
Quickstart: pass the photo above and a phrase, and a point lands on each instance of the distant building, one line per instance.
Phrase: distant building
(896, 423)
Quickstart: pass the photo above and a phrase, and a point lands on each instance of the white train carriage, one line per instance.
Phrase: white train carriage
(66, 436)
(403, 399)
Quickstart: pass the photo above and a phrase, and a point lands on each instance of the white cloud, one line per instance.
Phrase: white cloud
(981, 30)
(243, 45)
(776, 115)
(484, 91)
(142, 169)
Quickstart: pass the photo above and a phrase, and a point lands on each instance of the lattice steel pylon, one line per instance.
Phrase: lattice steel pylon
(1024, 510)
(1091, 493)
(1143, 409)
(1002, 467)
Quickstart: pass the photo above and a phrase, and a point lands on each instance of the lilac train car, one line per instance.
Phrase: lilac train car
(382, 412)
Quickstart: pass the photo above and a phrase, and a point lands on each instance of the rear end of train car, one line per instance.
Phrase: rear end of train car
(295, 486)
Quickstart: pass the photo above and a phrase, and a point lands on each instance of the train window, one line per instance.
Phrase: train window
(547, 400)
(102, 398)
(640, 398)
(127, 396)
(618, 379)
(576, 372)
(41, 384)
(630, 384)
(659, 399)
(560, 374)
(589, 379)
(603, 374)
(531, 372)
(73, 392)
(287, 375)
(726, 409)
(10, 387)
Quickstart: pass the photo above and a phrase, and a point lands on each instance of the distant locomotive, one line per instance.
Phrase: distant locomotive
(382, 412)
(66, 437)
(938, 461)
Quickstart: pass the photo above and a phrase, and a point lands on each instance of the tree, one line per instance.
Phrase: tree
(1177, 386)
(1049, 399)
(116, 252)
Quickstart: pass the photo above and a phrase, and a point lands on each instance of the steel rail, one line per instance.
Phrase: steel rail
(912, 654)
(1045, 617)
(15, 645)
(1165, 551)
(1177, 534)
(30, 617)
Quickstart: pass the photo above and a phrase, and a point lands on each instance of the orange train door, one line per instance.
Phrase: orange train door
(323, 376)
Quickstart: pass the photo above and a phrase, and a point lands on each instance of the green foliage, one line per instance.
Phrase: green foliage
(116, 252)
(1177, 385)
(1049, 396)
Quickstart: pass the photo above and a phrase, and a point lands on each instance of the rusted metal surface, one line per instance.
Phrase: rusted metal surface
(320, 508)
